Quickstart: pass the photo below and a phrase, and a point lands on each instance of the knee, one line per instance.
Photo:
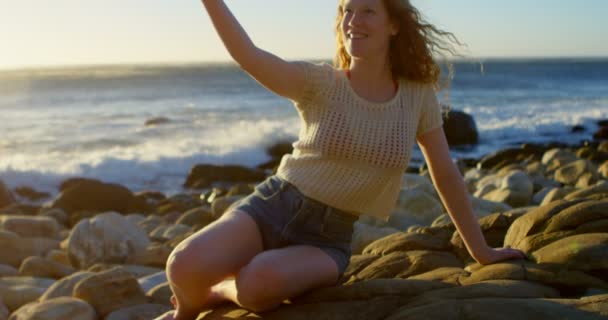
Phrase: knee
(184, 266)
(259, 287)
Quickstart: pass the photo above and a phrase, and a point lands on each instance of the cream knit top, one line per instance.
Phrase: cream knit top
(352, 153)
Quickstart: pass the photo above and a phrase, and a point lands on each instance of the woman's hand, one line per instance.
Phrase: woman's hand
(492, 255)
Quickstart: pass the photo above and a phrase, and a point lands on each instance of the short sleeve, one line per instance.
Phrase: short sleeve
(318, 77)
(430, 113)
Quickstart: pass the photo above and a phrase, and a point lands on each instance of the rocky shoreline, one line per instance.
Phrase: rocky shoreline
(98, 250)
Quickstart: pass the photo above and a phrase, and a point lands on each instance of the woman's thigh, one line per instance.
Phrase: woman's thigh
(221, 248)
(287, 272)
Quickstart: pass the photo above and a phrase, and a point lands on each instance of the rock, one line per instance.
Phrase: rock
(150, 281)
(40, 267)
(142, 311)
(56, 309)
(415, 206)
(8, 271)
(155, 255)
(59, 256)
(221, 205)
(96, 196)
(59, 215)
(405, 264)
(569, 174)
(599, 188)
(108, 237)
(3, 311)
(6, 197)
(492, 309)
(512, 198)
(603, 170)
(161, 294)
(156, 121)
(403, 241)
(532, 221)
(31, 194)
(494, 228)
(110, 290)
(15, 249)
(365, 234)
(558, 157)
(518, 181)
(448, 275)
(601, 134)
(488, 289)
(203, 175)
(150, 223)
(508, 270)
(200, 216)
(581, 252)
(556, 194)
(18, 291)
(25, 226)
(460, 128)
(576, 215)
(369, 289)
(506, 156)
(536, 241)
(65, 286)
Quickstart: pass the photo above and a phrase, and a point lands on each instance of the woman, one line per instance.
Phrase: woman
(360, 120)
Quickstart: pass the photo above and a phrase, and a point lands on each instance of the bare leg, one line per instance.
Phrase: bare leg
(207, 258)
(275, 275)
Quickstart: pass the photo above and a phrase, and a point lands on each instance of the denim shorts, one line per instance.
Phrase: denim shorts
(286, 217)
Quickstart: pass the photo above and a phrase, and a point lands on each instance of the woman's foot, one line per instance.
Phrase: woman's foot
(214, 298)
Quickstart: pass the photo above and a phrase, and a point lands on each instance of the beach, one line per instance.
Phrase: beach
(98, 186)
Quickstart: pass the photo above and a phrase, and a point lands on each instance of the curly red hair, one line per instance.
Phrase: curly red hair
(411, 50)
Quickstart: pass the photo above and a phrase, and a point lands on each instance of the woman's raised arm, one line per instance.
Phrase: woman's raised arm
(277, 75)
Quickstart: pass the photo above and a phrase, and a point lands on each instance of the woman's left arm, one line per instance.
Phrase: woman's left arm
(455, 197)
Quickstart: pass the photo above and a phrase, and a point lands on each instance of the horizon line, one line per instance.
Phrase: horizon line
(589, 58)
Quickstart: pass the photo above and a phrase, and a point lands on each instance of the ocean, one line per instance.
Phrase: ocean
(58, 123)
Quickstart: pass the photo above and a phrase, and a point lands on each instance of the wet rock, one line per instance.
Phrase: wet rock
(156, 121)
(460, 129)
(96, 196)
(578, 214)
(204, 175)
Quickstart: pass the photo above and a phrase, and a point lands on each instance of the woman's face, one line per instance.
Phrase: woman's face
(366, 28)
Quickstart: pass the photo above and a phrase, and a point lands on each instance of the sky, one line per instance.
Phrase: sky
(36, 33)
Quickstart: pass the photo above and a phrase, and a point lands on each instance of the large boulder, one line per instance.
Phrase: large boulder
(460, 128)
(204, 175)
(96, 196)
(581, 252)
(108, 237)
